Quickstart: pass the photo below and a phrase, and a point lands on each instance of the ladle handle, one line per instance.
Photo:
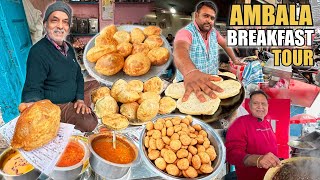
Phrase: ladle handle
(114, 139)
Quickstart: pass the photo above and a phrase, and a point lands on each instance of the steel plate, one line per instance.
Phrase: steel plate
(109, 80)
(214, 138)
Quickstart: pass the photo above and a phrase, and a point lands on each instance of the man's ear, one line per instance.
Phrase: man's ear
(196, 14)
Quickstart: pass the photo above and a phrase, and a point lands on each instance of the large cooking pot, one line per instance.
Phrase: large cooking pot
(108, 169)
(72, 172)
(272, 171)
(33, 174)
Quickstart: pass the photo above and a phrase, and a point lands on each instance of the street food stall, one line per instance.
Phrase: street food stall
(152, 128)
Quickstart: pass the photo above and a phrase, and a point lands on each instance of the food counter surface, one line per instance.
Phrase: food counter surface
(141, 170)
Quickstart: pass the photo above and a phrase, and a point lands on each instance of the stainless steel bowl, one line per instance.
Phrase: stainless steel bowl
(33, 174)
(107, 169)
(72, 172)
(215, 141)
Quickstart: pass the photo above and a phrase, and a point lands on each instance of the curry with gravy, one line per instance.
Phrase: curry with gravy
(123, 154)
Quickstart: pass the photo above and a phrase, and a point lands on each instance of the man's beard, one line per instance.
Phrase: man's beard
(55, 34)
(202, 27)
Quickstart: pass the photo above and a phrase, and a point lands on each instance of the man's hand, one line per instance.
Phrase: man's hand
(238, 62)
(268, 160)
(196, 82)
(81, 106)
(24, 106)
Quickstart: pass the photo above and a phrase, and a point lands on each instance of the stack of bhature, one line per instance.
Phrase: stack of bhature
(134, 52)
(193, 106)
(139, 102)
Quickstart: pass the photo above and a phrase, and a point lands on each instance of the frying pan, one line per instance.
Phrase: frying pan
(272, 171)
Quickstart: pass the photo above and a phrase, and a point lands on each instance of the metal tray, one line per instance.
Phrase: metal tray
(214, 138)
(109, 80)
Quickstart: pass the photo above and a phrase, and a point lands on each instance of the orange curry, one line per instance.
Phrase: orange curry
(71, 155)
(123, 154)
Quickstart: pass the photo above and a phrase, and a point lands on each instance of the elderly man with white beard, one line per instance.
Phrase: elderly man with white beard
(53, 72)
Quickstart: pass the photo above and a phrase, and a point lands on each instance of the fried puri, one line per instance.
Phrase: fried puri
(147, 110)
(108, 31)
(140, 48)
(115, 121)
(149, 95)
(152, 30)
(137, 36)
(103, 40)
(106, 105)
(137, 65)
(109, 64)
(95, 53)
(124, 49)
(127, 96)
(129, 110)
(117, 87)
(158, 56)
(154, 84)
(154, 41)
(122, 36)
(99, 93)
(135, 85)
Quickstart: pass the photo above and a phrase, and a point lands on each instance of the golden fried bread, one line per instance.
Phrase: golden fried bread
(154, 84)
(140, 48)
(37, 125)
(99, 93)
(109, 64)
(115, 121)
(108, 31)
(154, 41)
(149, 95)
(137, 65)
(135, 85)
(102, 40)
(98, 51)
(167, 105)
(129, 110)
(122, 36)
(147, 110)
(106, 105)
(137, 35)
(124, 49)
(127, 96)
(158, 56)
(117, 87)
(152, 30)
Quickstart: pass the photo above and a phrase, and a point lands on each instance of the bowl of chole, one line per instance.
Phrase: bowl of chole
(128, 52)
